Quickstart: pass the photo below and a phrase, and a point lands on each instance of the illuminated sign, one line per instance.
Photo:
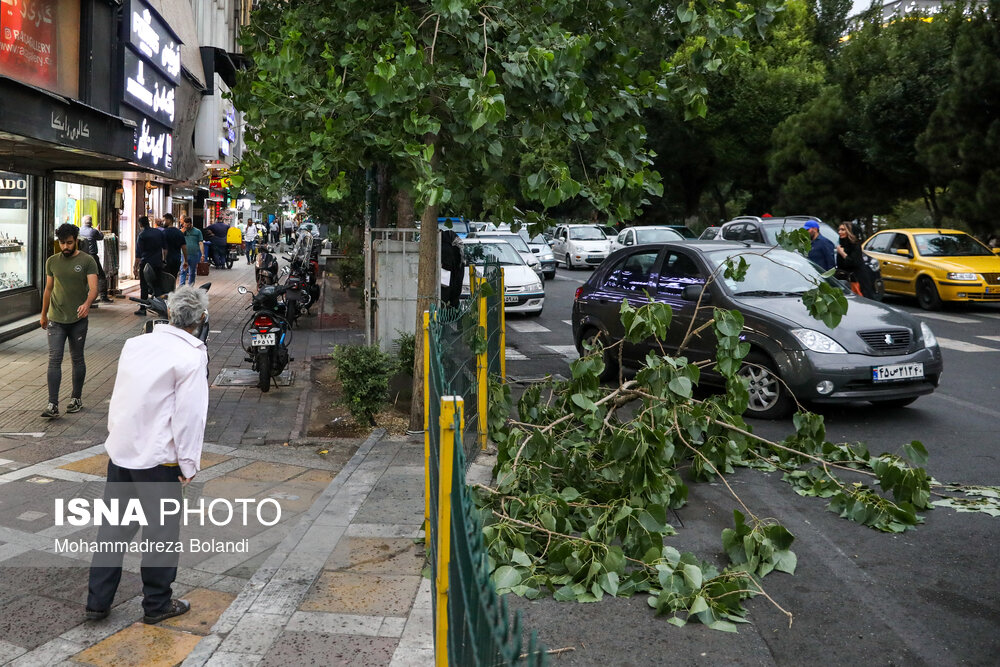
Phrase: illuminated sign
(154, 40)
(148, 91)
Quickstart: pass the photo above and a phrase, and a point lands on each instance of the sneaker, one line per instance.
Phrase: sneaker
(141, 311)
(51, 411)
(105, 299)
(175, 608)
(74, 405)
(93, 615)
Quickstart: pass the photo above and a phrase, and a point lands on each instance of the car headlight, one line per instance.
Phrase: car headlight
(547, 256)
(533, 286)
(963, 276)
(818, 342)
(930, 340)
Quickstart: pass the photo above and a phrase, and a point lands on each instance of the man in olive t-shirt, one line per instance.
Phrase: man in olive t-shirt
(70, 289)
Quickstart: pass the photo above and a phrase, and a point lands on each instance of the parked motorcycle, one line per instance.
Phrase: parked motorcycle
(267, 334)
(265, 266)
(303, 271)
(157, 306)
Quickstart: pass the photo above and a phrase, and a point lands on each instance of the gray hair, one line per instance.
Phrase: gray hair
(87, 220)
(185, 306)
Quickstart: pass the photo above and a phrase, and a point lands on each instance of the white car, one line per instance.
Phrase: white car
(520, 246)
(523, 291)
(638, 235)
(580, 245)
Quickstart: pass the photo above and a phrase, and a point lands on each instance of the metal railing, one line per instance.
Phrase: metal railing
(463, 347)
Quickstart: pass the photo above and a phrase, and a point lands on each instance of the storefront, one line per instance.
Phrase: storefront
(15, 232)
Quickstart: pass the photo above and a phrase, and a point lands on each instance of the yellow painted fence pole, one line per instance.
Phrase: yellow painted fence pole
(503, 326)
(450, 405)
(482, 370)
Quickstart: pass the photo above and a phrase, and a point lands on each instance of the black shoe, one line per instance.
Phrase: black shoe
(97, 615)
(105, 299)
(175, 608)
(141, 311)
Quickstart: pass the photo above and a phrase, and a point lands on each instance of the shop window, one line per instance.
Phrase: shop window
(14, 212)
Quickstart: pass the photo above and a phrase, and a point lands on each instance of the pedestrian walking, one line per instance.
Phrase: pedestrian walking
(156, 427)
(288, 226)
(194, 242)
(175, 246)
(275, 231)
(821, 252)
(70, 289)
(88, 240)
(851, 261)
(250, 236)
(149, 251)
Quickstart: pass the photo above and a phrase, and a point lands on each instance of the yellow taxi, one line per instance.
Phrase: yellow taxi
(936, 265)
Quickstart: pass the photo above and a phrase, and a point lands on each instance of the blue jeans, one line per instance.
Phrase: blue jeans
(76, 334)
(251, 245)
(187, 275)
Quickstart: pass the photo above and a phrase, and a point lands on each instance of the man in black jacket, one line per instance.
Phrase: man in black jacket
(148, 252)
(89, 238)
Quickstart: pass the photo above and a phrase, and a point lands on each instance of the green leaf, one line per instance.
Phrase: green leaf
(521, 558)
(506, 577)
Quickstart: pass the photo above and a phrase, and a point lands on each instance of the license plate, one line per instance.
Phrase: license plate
(897, 372)
(262, 340)
(510, 299)
(993, 290)
(601, 257)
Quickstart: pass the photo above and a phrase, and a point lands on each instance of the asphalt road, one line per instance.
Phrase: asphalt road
(929, 596)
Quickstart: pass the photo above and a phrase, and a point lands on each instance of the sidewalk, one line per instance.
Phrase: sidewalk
(335, 581)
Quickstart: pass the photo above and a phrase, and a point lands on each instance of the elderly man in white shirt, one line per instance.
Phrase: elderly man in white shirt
(156, 429)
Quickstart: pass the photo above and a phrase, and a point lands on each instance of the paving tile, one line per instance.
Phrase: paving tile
(208, 459)
(10, 651)
(307, 648)
(73, 585)
(362, 593)
(92, 465)
(31, 620)
(232, 487)
(206, 607)
(254, 633)
(323, 477)
(377, 554)
(226, 659)
(50, 653)
(408, 656)
(294, 498)
(336, 624)
(140, 644)
(262, 471)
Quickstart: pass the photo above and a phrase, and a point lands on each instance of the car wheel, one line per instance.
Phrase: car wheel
(927, 294)
(895, 402)
(569, 262)
(610, 362)
(550, 276)
(769, 397)
(878, 290)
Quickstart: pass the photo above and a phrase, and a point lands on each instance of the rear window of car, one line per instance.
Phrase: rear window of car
(657, 235)
(455, 225)
(513, 239)
(632, 272)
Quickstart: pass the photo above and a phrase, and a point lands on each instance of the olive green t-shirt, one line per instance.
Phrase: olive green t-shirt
(69, 288)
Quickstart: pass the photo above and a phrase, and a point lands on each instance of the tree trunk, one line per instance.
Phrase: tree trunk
(405, 215)
(428, 280)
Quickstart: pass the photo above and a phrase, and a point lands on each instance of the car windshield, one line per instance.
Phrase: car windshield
(769, 273)
(479, 253)
(586, 234)
(949, 245)
(454, 224)
(656, 235)
(513, 239)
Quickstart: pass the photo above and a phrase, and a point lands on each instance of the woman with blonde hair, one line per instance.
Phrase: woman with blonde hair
(851, 264)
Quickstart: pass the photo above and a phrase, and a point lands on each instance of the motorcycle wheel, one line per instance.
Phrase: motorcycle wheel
(229, 263)
(264, 370)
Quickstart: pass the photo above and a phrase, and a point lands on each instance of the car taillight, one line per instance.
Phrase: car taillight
(579, 290)
(263, 321)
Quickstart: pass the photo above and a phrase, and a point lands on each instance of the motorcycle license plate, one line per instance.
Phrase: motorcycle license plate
(262, 340)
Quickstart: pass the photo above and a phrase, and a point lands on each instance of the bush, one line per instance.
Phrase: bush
(364, 375)
(407, 343)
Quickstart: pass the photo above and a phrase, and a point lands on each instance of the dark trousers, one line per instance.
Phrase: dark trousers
(59, 334)
(145, 289)
(219, 254)
(102, 278)
(173, 267)
(106, 568)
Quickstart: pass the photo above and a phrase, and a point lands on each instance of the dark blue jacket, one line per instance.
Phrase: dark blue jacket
(822, 253)
(149, 246)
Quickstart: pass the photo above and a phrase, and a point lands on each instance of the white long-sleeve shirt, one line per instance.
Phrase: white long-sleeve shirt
(160, 402)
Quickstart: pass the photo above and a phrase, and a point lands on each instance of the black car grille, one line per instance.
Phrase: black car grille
(887, 340)
(992, 278)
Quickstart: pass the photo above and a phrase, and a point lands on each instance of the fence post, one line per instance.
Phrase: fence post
(482, 366)
(427, 424)
(503, 326)
(450, 405)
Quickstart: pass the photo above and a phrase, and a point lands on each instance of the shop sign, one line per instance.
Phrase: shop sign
(150, 37)
(154, 145)
(39, 39)
(148, 91)
(228, 139)
(13, 190)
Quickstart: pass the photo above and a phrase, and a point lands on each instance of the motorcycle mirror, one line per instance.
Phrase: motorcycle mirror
(241, 289)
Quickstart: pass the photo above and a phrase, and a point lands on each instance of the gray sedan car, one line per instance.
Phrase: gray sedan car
(876, 353)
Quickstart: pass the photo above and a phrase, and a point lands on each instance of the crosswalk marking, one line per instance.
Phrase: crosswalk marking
(995, 316)
(514, 355)
(948, 318)
(567, 351)
(995, 339)
(962, 346)
(524, 326)
(569, 322)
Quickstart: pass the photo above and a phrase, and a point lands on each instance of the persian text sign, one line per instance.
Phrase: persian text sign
(27, 41)
(151, 38)
(148, 91)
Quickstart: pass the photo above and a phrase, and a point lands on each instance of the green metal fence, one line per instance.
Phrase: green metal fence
(462, 348)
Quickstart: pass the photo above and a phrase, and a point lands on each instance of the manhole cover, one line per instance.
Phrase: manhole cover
(244, 377)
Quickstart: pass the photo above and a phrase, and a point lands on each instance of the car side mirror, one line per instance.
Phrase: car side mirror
(694, 292)
(627, 242)
(904, 252)
(536, 250)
